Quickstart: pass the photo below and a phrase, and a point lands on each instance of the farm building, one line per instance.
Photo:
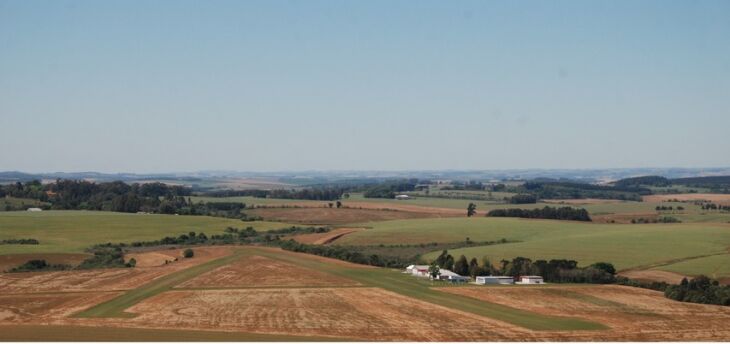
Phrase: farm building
(35, 209)
(417, 270)
(448, 275)
(531, 280)
(495, 280)
(402, 197)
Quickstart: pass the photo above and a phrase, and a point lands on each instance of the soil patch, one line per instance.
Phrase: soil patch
(9, 261)
(325, 238)
(148, 259)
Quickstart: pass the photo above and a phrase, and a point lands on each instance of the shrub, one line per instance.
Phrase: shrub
(188, 253)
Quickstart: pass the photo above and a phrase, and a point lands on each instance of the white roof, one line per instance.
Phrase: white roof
(531, 276)
(495, 277)
(445, 272)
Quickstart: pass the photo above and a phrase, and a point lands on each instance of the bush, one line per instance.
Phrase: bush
(188, 253)
(39, 265)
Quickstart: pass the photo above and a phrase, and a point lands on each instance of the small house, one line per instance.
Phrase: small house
(531, 280)
(495, 280)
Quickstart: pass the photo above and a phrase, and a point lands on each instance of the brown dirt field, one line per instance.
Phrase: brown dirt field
(405, 207)
(148, 259)
(325, 238)
(333, 216)
(101, 279)
(42, 308)
(654, 276)
(257, 271)
(9, 261)
(582, 201)
(357, 313)
(307, 256)
(623, 217)
(633, 314)
(715, 198)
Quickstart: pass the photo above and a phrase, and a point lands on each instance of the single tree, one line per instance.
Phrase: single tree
(471, 210)
(434, 271)
(461, 266)
(188, 253)
(339, 204)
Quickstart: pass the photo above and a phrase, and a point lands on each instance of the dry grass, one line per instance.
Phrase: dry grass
(716, 198)
(357, 313)
(654, 276)
(633, 314)
(257, 271)
(325, 238)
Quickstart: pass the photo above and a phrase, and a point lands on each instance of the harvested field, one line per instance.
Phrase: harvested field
(715, 198)
(357, 313)
(325, 238)
(148, 259)
(257, 271)
(100, 279)
(9, 261)
(580, 201)
(624, 218)
(633, 314)
(654, 276)
(39, 308)
(334, 216)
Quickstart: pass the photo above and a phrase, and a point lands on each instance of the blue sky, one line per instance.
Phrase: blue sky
(153, 86)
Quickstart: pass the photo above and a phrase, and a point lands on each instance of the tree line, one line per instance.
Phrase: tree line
(562, 213)
(555, 270)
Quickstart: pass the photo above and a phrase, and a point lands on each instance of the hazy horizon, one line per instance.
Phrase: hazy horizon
(264, 86)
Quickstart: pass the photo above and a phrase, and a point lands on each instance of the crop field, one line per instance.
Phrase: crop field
(717, 198)
(325, 238)
(626, 246)
(334, 216)
(73, 231)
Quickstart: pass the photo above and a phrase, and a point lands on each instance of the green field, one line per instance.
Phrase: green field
(626, 246)
(717, 266)
(69, 231)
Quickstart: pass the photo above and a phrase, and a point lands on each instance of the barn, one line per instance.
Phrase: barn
(495, 280)
(531, 280)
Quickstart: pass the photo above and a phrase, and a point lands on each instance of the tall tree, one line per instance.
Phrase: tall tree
(471, 210)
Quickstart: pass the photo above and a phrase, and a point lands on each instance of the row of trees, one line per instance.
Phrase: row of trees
(388, 189)
(19, 242)
(555, 270)
(563, 213)
(701, 289)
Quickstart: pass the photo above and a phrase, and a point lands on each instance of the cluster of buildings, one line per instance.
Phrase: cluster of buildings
(450, 276)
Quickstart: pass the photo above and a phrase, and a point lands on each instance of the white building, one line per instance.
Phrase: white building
(495, 280)
(402, 197)
(448, 275)
(417, 270)
(35, 209)
(531, 280)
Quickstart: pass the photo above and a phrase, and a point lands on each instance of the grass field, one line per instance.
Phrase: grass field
(626, 246)
(73, 231)
(17, 202)
(717, 266)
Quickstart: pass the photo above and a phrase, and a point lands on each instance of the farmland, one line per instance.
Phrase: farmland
(74, 231)
(254, 293)
(626, 246)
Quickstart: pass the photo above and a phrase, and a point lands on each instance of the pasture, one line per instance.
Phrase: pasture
(73, 231)
(626, 246)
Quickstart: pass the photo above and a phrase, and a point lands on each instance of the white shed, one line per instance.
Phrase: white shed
(35, 209)
(402, 197)
(531, 280)
(495, 280)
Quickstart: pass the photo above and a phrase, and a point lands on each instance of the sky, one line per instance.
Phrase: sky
(172, 86)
